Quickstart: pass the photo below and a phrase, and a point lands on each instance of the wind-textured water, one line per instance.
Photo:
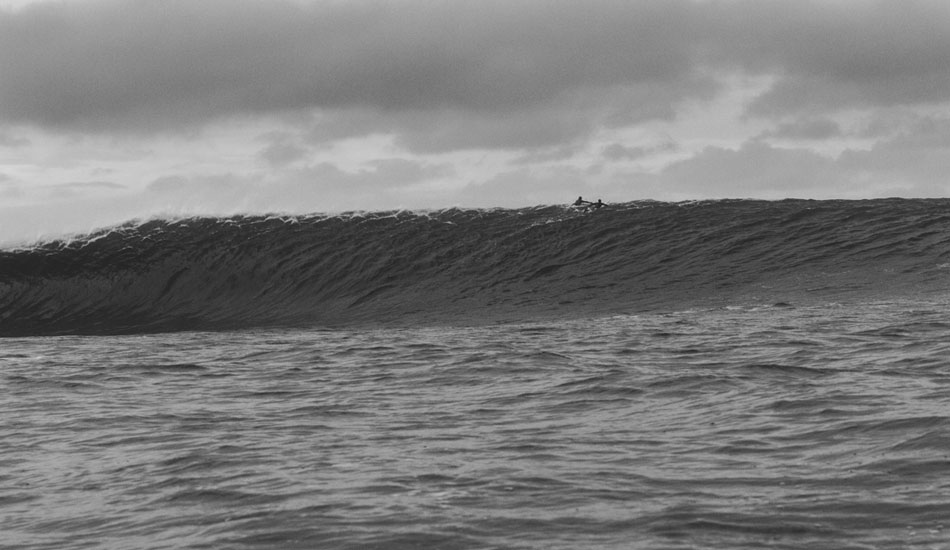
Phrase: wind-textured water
(730, 374)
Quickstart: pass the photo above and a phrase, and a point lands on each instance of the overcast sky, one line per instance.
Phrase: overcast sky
(113, 109)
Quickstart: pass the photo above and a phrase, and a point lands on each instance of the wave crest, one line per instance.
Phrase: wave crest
(469, 266)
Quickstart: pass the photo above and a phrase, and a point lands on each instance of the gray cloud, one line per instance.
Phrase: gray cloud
(215, 194)
(11, 192)
(8, 189)
(115, 63)
(76, 189)
(525, 186)
(755, 170)
(318, 187)
(917, 159)
(617, 152)
(806, 129)
(832, 54)
(76, 185)
(914, 163)
(282, 149)
(566, 121)
(379, 177)
(7, 140)
(443, 76)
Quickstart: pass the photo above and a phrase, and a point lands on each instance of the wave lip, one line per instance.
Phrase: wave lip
(469, 266)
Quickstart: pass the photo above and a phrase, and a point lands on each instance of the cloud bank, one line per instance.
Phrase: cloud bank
(147, 64)
(600, 90)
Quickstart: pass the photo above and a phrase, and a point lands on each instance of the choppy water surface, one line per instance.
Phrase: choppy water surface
(784, 427)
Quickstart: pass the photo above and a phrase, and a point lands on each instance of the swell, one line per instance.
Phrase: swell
(470, 266)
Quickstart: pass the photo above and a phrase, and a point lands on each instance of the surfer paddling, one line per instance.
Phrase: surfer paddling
(588, 205)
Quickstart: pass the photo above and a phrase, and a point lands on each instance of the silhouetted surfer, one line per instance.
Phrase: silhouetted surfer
(587, 206)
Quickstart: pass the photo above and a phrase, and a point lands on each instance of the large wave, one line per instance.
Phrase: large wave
(471, 266)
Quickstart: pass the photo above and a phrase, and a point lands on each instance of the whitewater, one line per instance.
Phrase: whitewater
(712, 374)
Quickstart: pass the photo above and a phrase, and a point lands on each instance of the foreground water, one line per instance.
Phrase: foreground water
(785, 427)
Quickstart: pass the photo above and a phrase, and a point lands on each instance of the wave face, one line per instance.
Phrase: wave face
(472, 266)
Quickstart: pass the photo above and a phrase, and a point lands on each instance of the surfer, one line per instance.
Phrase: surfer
(587, 206)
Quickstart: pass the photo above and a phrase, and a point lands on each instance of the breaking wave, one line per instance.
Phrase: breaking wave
(471, 266)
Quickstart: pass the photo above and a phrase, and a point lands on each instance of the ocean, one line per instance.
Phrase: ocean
(708, 374)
